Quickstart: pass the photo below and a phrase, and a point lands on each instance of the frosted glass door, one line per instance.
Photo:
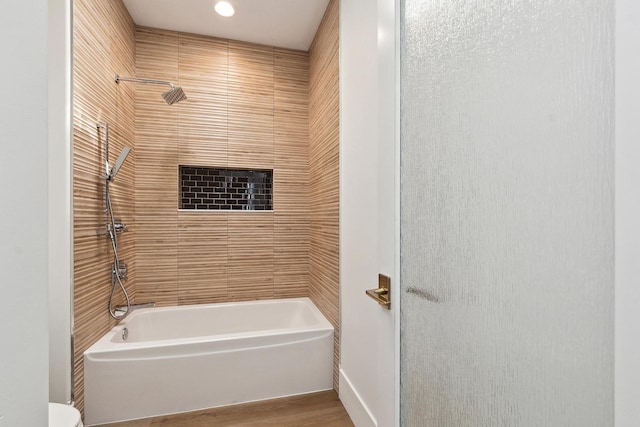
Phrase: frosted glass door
(507, 257)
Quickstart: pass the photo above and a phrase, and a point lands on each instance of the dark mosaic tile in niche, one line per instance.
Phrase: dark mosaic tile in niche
(205, 188)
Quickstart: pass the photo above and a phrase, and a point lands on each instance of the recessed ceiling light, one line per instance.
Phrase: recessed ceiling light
(224, 8)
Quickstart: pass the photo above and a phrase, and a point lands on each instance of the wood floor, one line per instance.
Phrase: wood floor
(316, 409)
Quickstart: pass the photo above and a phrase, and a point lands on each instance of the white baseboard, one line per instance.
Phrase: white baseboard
(357, 410)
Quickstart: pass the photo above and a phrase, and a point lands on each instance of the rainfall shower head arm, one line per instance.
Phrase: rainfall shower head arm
(138, 80)
(173, 95)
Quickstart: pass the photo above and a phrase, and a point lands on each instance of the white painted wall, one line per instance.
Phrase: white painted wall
(23, 197)
(358, 208)
(60, 264)
(627, 213)
(388, 209)
(368, 208)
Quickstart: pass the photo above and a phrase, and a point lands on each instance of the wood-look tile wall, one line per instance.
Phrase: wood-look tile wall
(324, 170)
(103, 44)
(247, 107)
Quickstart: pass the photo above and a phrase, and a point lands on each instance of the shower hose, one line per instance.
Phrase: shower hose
(116, 279)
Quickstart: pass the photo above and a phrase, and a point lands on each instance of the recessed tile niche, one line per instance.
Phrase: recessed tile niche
(211, 188)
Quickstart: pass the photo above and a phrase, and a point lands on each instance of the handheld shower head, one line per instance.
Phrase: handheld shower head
(119, 163)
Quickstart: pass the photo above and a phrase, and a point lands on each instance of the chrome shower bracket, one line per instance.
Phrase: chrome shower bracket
(118, 226)
(119, 271)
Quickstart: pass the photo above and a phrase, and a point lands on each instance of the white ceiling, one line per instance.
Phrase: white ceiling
(283, 23)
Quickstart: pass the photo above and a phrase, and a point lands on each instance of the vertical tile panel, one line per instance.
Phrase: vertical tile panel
(250, 271)
(291, 255)
(202, 257)
(324, 128)
(291, 131)
(291, 159)
(202, 121)
(250, 105)
(156, 171)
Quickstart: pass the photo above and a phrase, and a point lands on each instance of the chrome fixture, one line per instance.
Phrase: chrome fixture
(114, 171)
(113, 227)
(118, 226)
(172, 96)
(120, 270)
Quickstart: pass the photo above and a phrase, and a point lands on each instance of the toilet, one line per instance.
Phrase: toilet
(64, 416)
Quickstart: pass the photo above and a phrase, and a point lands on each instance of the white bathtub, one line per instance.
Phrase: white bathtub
(179, 359)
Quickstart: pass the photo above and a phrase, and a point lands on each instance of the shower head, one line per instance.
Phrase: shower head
(173, 95)
(119, 162)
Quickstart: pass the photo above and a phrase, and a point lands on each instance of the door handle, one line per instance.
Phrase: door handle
(382, 295)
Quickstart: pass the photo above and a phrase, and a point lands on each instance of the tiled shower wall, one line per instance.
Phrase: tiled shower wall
(247, 108)
(103, 44)
(324, 169)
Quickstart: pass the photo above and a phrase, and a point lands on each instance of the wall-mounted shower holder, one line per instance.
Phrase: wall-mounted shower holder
(121, 271)
(118, 226)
